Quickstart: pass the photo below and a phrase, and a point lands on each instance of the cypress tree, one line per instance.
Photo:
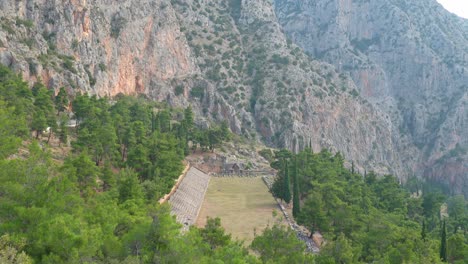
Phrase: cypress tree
(423, 230)
(61, 100)
(296, 201)
(277, 186)
(153, 121)
(63, 133)
(443, 243)
(286, 188)
(352, 167)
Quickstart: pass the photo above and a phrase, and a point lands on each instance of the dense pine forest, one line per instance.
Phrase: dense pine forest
(370, 219)
(87, 192)
(99, 203)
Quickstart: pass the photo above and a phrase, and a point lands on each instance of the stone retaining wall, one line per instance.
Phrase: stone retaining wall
(174, 188)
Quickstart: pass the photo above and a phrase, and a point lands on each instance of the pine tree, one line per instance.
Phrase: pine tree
(82, 107)
(164, 121)
(61, 100)
(188, 119)
(225, 131)
(39, 122)
(443, 243)
(286, 187)
(52, 123)
(423, 230)
(44, 115)
(296, 201)
(153, 122)
(214, 139)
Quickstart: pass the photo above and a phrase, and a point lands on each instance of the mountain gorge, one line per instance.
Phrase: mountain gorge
(408, 59)
(383, 82)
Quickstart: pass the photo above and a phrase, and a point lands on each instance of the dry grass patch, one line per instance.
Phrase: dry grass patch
(243, 204)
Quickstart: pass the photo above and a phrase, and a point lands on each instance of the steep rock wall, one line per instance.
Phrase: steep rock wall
(410, 59)
(113, 47)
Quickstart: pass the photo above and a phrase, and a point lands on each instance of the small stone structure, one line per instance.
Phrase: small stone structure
(234, 168)
(187, 200)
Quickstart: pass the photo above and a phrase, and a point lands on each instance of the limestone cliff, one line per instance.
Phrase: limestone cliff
(231, 60)
(289, 99)
(408, 58)
(101, 47)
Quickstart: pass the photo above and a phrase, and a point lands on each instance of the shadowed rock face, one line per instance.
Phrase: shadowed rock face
(409, 58)
(231, 60)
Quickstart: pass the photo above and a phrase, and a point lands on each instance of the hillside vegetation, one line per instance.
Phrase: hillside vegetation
(370, 219)
(98, 204)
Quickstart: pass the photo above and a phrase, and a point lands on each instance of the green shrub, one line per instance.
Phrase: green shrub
(179, 89)
(28, 42)
(102, 67)
(8, 28)
(354, 93)
(68, 64)
(197, 92)
(92, 80)
(32, 67)
(117, 24)
(43, 59)
(26, 23)
(74, 44)
(266, 153)
(279, 59)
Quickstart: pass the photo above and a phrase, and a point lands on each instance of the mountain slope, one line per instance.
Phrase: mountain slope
(232, 61)
(409, 59)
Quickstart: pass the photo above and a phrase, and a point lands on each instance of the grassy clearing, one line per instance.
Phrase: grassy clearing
(243, 204)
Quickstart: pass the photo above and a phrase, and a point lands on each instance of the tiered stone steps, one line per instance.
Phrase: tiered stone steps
(188, 199)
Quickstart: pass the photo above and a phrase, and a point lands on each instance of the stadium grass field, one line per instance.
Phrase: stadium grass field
(243, 204)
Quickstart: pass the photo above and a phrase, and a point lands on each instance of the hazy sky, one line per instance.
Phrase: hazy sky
(459, 7)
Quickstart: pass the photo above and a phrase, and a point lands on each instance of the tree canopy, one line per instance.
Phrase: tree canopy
(98, 203)
(368, 218)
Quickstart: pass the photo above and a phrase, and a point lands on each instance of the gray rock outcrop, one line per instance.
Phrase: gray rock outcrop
(409, 59)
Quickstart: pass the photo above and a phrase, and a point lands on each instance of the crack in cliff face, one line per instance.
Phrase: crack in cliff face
(232, 61)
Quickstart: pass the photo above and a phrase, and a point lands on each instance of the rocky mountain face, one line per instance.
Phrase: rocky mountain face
(232, 60)
(409, 58)
(101, 47)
